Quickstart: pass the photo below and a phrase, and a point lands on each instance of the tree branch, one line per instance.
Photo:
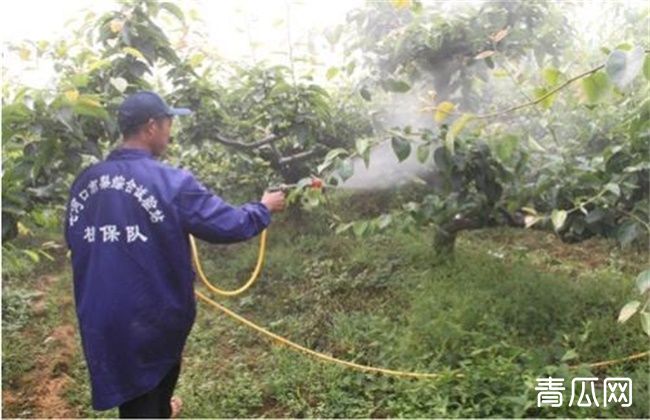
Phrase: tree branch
(299, 156)
(527, 104)
(246, 146)
(541, 98)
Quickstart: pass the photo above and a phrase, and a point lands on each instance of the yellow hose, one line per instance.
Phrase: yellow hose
(313, 353)
(273, 336)
(249, 283)
(606, 363)
(323, 356)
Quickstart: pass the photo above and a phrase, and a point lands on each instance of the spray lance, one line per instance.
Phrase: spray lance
(313, 183)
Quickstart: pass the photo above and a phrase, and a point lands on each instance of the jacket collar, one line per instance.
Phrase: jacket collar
(129, 153)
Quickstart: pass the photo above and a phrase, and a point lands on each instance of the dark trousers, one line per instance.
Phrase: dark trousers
(155, 403)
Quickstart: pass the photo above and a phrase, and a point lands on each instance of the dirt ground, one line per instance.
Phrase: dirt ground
(42, 389)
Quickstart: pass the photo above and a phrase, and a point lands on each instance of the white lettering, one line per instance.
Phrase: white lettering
(150, 203)
(104, 182)
(140, 192)
(118, 182)
(89, 234)
(130, 186)
(156, 216)
(110, 233)
(584, 399)
(133, 233)
(622, 386)
(75, 206)
(92, 186)
(551, 391)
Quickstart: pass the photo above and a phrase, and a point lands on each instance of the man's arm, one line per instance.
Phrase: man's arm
(210, 218)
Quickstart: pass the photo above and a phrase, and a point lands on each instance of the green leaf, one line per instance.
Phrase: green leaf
(622, 67)
(309, 199)
(71, 95)
(331, 73)
(547, 102)
(551, 76)
(135, 53)
(569, 355)
(594, 216)
(32, 255)
(442, 159)
(497, 37)
(333, 35)
(345, 169)
(530, 220)
(558, 217)
(636, 168)
(645, 322)
(455, 129)
(334, 153)
(196, 60)
(627, 233)
(99, 64)
(46, 255)
(342, 228)
(119, 83)
(423, 152)
(174, 10)
(535, 145)
(628, 310)
(365, 94)
(401, 147)
(443, 110)
(90, 107)
(643, 281)
(15, 113)
(613, 188)
(506, 147)
(363, 148)
(393, 85)
(384, 220)
(595, 87)
(79, 80)
(359, 228)
(320, 168)
(646, 67)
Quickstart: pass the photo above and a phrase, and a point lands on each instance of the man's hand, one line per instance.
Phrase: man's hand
(274, 201)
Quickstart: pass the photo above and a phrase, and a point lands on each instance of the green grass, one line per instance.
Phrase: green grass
(503, 312)
(386, 301)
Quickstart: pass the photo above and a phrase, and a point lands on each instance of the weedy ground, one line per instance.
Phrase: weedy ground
(511, 306)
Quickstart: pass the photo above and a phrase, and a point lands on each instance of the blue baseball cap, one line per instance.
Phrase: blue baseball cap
(138, 108)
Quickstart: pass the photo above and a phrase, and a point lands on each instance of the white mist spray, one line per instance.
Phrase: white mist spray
(385, 171)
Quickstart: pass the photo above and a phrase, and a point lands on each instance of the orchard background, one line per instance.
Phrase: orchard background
(486, 205)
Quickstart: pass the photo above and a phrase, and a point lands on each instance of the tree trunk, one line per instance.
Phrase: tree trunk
(445, 238)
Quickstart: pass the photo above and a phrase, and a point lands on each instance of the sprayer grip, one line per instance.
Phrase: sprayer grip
(276, 188)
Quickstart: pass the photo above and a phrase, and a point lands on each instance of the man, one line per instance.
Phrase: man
(127, 225)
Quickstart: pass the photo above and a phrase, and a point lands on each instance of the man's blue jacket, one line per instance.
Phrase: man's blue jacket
(127, 225)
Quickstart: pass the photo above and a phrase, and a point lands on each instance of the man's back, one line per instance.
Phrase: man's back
(127, 226)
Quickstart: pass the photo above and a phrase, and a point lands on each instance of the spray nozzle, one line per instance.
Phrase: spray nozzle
(281, 187)
(314, 183)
